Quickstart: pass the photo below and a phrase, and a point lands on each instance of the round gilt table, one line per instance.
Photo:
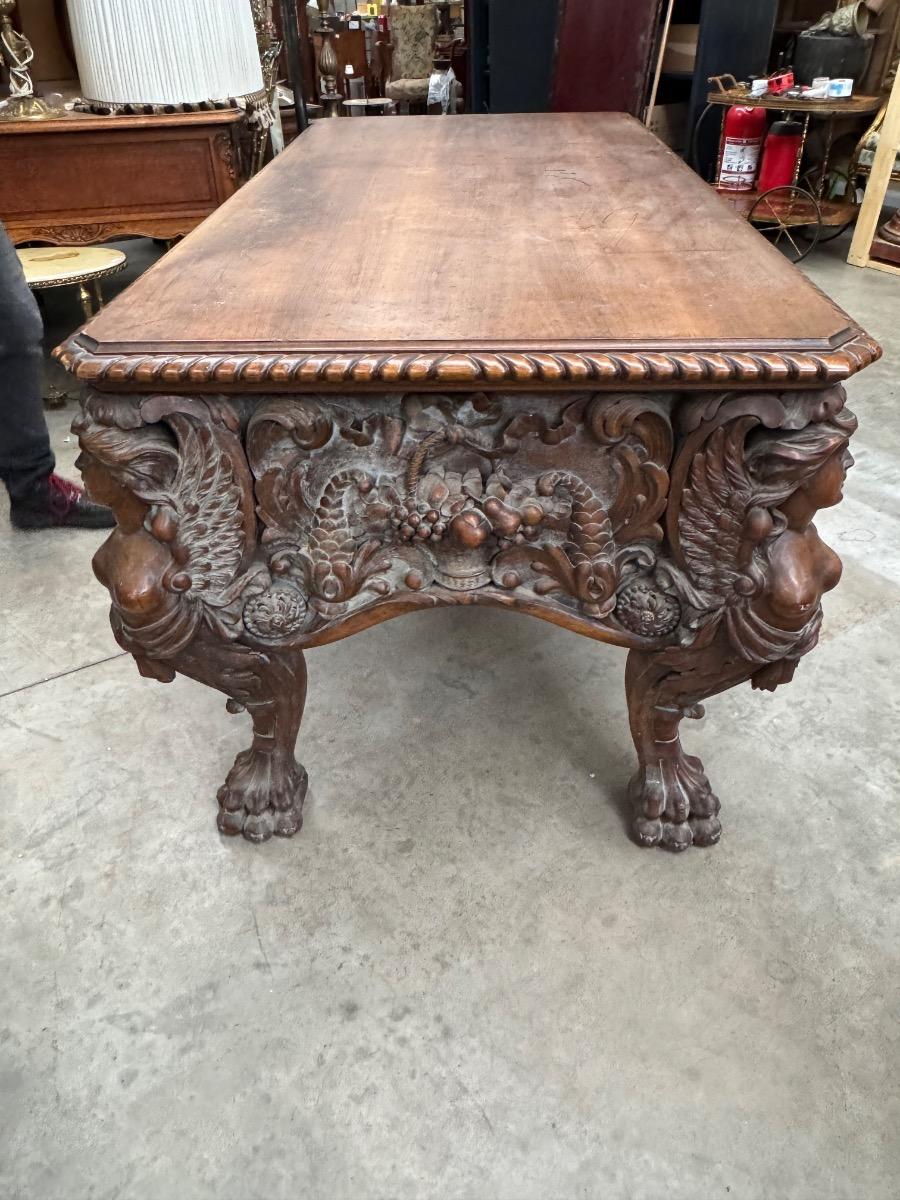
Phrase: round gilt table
(72, 266)
(370, 106)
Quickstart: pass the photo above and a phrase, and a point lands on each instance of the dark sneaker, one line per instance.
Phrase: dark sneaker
(57, 502)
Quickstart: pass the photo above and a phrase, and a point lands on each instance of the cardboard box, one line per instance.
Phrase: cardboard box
(681, 48)
(669, 123)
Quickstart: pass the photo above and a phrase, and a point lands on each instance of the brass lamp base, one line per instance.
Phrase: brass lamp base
(332, 103)
(27, 108)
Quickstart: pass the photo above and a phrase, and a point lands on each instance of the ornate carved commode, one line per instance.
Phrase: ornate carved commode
(550, 372)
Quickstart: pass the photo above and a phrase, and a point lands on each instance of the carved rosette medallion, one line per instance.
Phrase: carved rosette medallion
(278, 612)
(645, 610)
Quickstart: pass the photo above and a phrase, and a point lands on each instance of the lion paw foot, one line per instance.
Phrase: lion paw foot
(263, 795)
(674, 806)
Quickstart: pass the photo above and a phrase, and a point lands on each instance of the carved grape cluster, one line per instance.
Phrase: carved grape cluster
(418, 522)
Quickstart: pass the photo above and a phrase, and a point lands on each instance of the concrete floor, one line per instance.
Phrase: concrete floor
(461, 980)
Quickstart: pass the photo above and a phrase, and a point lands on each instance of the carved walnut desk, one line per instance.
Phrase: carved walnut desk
(524, 361)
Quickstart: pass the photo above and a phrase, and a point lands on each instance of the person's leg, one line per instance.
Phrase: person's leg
(25, 454)
(38, 498)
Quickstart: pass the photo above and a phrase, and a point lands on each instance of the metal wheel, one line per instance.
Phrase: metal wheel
(837, 186)
(781, 212)
(805, 233)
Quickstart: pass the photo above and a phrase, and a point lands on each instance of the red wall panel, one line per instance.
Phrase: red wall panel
(603, 55)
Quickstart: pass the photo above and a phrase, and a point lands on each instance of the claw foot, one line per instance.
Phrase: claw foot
(263, 794)
(674, 806)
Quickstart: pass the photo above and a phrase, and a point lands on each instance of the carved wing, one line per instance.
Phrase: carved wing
(209, 540)
(713, 514)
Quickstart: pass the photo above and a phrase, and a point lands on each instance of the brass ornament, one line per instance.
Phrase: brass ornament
(328, 64)
(17, 56)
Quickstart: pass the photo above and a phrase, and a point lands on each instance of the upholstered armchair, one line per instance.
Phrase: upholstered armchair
(413, 33)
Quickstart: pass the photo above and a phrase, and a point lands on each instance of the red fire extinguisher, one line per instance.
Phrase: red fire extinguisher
(779, 164)
(742, 137)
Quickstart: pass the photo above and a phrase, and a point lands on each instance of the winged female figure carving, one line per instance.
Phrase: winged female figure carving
(752, 573)
(753, 557)
(173, 561)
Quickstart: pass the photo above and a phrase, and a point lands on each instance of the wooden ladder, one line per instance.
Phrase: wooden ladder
(877, 186)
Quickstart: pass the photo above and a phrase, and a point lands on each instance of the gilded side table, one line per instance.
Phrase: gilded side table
(523, 361)
(72, 266)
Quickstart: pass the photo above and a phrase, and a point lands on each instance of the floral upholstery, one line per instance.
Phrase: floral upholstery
(867, 154)
(413, 33)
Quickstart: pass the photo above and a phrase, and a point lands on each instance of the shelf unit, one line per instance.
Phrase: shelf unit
(731, 38)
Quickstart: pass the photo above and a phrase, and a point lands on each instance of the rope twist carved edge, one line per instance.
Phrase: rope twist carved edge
(574, 367)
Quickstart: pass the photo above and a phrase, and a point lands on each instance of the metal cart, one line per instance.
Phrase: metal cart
(818, 204)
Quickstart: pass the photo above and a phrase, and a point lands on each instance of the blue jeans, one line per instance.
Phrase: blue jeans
(25, 454)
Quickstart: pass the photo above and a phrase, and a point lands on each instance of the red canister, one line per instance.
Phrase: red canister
(780, 154)
(742, 137)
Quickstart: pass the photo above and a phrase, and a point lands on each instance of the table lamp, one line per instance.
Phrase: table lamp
(165, 56)
(16, 55)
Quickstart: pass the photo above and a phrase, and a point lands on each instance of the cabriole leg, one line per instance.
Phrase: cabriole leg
(672, 801)
(179, 567)
(264, 791)
(748, 571)
(265, 788)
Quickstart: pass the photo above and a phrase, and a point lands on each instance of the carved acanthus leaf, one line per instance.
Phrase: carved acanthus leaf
(640, 429)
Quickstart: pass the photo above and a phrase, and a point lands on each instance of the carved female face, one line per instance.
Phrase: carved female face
(120, 466)
(809, 464)
(99, 484)
(825, 487)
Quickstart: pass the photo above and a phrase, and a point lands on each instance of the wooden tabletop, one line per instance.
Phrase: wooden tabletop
(500, 250)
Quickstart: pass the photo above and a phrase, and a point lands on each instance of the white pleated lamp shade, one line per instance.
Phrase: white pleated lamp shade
(164, 52)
